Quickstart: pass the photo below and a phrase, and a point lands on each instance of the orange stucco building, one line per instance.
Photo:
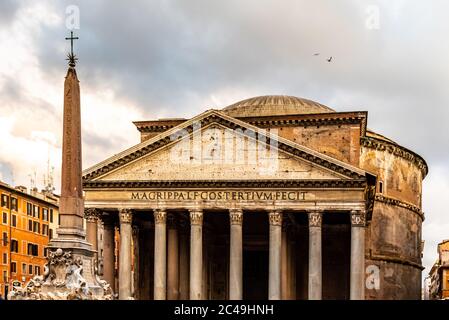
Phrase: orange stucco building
(439, 274)
(28, 221)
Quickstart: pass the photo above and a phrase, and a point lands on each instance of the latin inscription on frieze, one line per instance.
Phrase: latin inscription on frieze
(219, 195)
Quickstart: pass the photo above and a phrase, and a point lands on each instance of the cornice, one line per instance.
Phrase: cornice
(271, 121)
(396, 202)
(397, 150)
(395, 260)
(318, 184)
(307, 120)
(157, 125)
(11, 191)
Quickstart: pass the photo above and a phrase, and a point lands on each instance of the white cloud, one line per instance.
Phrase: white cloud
(27, 155)
(31, 106)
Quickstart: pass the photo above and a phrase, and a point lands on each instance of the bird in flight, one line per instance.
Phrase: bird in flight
(317, 54)
(329, 60)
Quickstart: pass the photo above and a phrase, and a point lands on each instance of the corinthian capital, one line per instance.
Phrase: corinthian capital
(125, 216)
(315, 218)
(358, 218)
(275, 218)
(160, 216)
(91, 214)
(196, 216)
(236, 216)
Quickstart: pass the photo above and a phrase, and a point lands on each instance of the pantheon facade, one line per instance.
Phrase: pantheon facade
(273, 197)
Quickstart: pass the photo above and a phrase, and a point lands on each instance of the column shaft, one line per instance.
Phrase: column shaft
(315, 256)
(274, 281)
(196, 254)
(136, 263)
(125, 255)
(357, 269)
(91, 216)
(160, 254)
(236, 255)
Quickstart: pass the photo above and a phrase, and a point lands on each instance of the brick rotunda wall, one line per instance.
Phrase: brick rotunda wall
(393, 238)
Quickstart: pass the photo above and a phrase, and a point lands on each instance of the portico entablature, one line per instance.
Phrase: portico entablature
(247, 199)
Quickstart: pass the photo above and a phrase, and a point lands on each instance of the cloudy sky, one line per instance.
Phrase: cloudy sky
(170, 58)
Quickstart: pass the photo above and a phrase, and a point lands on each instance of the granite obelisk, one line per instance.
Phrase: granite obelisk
(71, 271)
(71, 207)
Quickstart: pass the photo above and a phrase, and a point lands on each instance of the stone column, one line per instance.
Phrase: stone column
(274, 281)
(109, 251)
(125, 254)
(136, 263)
(236, 255)
(183, 260)
(91, 216)
(172, 259)
(117, 256)
(284, 261)
(315, 255)
(357, 269)
(160, 254)
(196, 253)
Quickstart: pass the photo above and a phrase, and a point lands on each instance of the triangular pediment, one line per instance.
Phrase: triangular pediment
(214, 146)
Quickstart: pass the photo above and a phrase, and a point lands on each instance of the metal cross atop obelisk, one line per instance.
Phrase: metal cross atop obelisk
(71, 57)
(71, 41)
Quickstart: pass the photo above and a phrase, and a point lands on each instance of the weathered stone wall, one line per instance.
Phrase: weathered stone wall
(144, 136)
(341, 142)
(397, 282)
(394, 235)
(401, 178)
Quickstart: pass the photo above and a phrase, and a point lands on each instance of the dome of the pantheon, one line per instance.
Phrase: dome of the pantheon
(275, 105)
